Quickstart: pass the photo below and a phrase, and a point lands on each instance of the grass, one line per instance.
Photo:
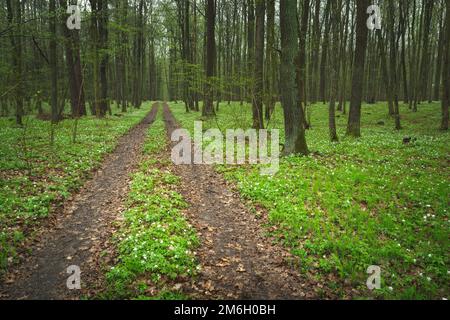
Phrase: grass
(360, 202)
(155, 242)
(35, 176)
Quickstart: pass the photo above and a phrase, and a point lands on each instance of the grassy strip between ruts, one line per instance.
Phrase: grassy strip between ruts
(361, 202)
(34, 176)
(155, 242)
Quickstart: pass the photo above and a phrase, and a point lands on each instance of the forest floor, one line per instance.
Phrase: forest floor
(381, 200)
(82, 230)
(145, 228)
(237, 260)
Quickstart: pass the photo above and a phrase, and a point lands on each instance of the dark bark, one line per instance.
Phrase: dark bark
(315, 50)
(15, 18)
(446, 72)
(354, 120)
(73, 64)
(250, 44)
(439, 60)
(53, 61)
(294, 131)
(208, 108)
(334, 71)
(271, 73)
(258, 122)
(394, 39)
(103, 36)
(301, 62)
(324, 58)
(425, 63)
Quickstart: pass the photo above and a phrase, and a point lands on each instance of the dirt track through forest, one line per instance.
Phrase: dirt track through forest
(237, 260)
(82, 230)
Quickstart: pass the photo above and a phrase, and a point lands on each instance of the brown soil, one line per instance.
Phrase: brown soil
(83, 230)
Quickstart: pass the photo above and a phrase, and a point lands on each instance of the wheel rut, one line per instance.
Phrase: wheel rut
(82, 230)
(237, 260)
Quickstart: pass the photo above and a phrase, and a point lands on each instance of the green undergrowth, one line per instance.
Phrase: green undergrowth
(155, 242)
(357, 203)
(35, 176)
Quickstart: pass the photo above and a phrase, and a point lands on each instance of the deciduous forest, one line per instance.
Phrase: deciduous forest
(98, 98)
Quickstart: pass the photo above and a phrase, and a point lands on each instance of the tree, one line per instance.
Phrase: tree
(446, 72)
(324, 58)
(122, 17)
(258, 122)
(439, 58)
(271, 60)
(295, 140)
(103, 43)
(425, 63)
(301, 62)
(73, 63)
(250, 42)
(208, 108)
(334, 70)
(315, 48)
(53, 62)
(15, 20)
(394, 44)
(138, 56)
(354, 119)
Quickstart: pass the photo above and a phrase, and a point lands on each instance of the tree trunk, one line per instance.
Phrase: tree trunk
(425, 64)
(53, 61)
(385, 72)
(103, 33)
(446, 72)
(208, 108)
(334, 70)
(73, 63)
(394, 38)
(354, 120)
(258, 122)
(271, 73)
(301, 62)
(294, 131)
(250, 46)
(15, 17)
(441, 47)
(315, 49)
(323, 60)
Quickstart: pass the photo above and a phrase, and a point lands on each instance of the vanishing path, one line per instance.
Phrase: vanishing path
(83, 229)
(237, 260)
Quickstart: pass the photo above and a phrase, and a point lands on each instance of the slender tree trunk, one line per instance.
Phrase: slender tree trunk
(53, 61)
(73, 63)
(316, 49)
(208, 108)
(441, 47)
(404, 27)
(294, 131)
(301, 62)
(446, 72)
(258, 122)
(394, 38)
(250, 45)
(343, 58)
(334, 70)
(354, 120)
(324, 59)
(424, 66)
(103, 33)
(15, 17)
(271, 60)
(385, 72)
